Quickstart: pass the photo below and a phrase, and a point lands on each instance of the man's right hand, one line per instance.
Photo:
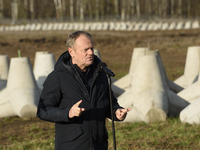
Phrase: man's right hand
(75, 110)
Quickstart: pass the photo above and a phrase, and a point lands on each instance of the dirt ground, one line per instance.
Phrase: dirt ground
(116, 48)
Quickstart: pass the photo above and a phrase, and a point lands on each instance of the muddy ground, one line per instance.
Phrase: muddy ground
(116, 48)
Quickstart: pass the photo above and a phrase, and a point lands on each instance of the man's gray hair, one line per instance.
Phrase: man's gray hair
(74, 35)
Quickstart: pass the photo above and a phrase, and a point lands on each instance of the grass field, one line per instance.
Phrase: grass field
(116, 49)
(39, 135)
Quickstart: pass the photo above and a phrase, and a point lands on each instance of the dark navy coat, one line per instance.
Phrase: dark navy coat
(62, 89)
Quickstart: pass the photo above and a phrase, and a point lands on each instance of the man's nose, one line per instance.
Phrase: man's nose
(90, 51)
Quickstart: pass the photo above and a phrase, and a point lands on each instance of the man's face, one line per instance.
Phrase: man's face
(82, 52)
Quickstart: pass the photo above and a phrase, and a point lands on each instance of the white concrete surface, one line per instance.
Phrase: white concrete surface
(22, 88)
(191, 114)
(191, 93)
(188, 25)
(4, 67)
(150, 96)
(192, 66)
(43, 65)
(125, 82)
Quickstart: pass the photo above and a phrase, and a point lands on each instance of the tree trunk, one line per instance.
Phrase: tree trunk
(116, 7)
(138, 8)
(189, 9)
(102, 9)
(14, 11)
(89, 9)
(179, 8)
(63, 8)
(149, 7)
(172, 8)
(82, 10)
(1, 9)
(58, 7)
(71, 10)
(123, 10)
(108, 7)
(26, 8)
(128, 8)
(97, 10)
(32, 9)
(132, 4)
(165, 5)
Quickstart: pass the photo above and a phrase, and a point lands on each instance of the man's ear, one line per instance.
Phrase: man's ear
(71, 51)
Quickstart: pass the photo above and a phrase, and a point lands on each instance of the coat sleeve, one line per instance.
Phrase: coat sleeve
(48, 107)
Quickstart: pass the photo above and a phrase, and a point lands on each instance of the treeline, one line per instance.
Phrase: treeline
(83, 10)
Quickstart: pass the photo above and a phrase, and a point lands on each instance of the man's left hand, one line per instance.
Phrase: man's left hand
(121, 113)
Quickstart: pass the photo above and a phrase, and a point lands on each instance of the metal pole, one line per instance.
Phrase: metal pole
(111, 109)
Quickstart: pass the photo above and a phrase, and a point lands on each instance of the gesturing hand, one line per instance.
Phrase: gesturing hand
(76, 110)
(121, 113)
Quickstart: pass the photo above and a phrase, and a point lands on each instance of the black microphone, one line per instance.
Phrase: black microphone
(103, 67)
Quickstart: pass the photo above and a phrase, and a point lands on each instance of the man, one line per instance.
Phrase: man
(76, 97)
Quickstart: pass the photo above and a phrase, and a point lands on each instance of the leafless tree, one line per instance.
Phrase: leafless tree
(81, 10)
(14, 11)
(138, 8)
(123, 9)
(58, 7)
(188, 8)
(1, 8)
(116, 7)
(32, 9)
(179, 8)
(172, 7)
(97, 10)
(72, 10)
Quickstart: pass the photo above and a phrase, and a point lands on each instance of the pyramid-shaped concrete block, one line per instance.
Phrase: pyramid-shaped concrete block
(191, 93)
(191, 114)
(43, 65)
(5, 106)
(125, 82)
(4, 67)
(22, 91)
(192, 66)
(150, 95)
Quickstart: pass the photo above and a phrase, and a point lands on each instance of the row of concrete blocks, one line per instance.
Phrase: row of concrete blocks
(152, 96)
(20, 85)
(145, 89)
(116, 26)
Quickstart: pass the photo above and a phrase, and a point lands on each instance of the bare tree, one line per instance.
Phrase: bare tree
(72, 10)
(138, 8)
(82, 10)
(188, 8)
(102, 9)
(14, 11)
(128, 8)
(116, 7)
(165, 5)
(32, 9)
(63, 7)
(179, 8)
(149, 7)
(97, 10)
(1, 8)
(132, 4)
(172, 7)
(26, 8)
(58, 7)
(123, 13)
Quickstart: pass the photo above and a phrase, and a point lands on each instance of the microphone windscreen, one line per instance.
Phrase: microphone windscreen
(101, 65)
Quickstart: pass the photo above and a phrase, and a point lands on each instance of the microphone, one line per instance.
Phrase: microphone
(103, 67)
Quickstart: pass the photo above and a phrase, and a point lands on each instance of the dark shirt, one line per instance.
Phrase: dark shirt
(86, 77)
